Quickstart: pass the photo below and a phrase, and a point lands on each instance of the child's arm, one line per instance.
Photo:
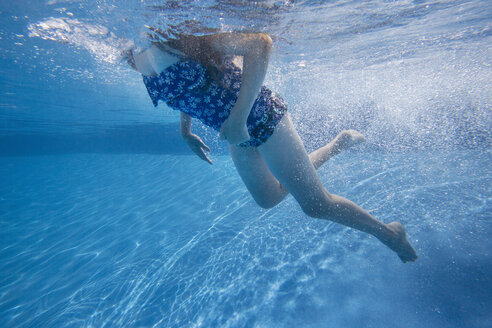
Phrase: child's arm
(194, 142)
(255, 49)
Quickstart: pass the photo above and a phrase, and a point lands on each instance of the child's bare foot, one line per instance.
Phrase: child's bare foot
(347, 139)
(400, 244)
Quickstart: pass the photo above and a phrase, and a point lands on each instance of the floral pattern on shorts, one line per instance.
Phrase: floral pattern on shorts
(188, 87)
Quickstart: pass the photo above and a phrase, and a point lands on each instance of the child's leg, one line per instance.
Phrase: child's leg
(287, 159)
(343, 140)
(263, 186)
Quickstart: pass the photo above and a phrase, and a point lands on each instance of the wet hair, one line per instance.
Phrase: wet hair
(193, 47)
(128, 57)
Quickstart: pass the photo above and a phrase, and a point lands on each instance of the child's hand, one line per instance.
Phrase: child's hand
(197, 146)
(234, 131)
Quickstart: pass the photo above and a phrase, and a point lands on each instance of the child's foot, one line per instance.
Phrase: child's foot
(347, 139)
(400, 244)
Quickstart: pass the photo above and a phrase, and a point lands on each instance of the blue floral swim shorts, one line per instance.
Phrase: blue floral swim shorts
(188, 87)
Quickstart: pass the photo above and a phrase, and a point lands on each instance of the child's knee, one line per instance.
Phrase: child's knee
(312, 211)
(266, 202)
(320, 207)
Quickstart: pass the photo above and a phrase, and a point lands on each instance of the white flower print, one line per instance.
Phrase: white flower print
(180, 86)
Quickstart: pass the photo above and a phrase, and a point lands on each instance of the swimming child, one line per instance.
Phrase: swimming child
(197, 76)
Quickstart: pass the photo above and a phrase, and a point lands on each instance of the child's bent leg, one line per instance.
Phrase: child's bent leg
(263, 186)
(290, 164)
(343, 140)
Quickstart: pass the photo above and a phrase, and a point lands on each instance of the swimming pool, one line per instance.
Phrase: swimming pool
(107, 220)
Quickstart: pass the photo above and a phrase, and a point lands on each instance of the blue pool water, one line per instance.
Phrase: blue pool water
(107, 220)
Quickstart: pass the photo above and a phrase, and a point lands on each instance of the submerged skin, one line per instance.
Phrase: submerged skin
(281, 165)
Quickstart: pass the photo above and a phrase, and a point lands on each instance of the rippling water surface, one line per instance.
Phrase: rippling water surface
(107, 220)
